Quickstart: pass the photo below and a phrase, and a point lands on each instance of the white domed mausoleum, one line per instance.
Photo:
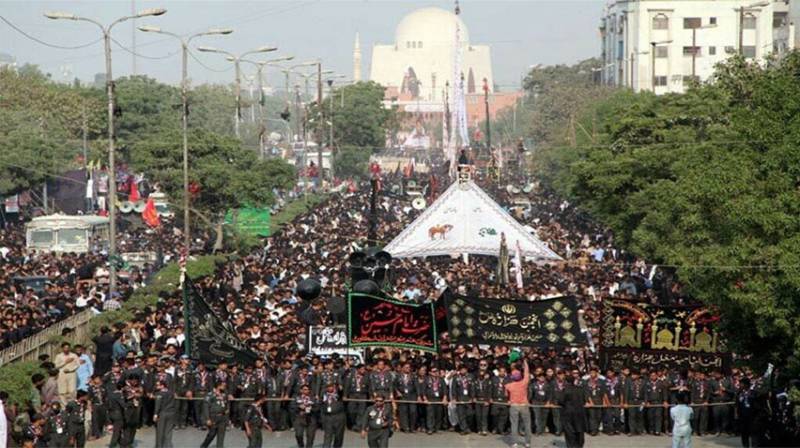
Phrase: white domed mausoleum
(420, 62)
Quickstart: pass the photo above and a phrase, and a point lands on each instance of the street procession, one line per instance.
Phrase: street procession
(516, 243)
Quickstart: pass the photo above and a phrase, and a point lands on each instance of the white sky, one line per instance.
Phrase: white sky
(521, 33)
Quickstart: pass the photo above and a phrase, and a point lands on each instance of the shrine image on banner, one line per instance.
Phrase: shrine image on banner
(379, 322)
(509, 322)
(211, 339)
(675, 337)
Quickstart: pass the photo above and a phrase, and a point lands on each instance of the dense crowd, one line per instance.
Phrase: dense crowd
(140, 369)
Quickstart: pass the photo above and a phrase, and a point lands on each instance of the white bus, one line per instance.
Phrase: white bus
(67, 233)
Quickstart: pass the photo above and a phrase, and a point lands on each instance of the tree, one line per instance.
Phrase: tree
(554, 98)
(358, 116)
(228, 175)
(352, 162)
(41, 124)
(706, 181)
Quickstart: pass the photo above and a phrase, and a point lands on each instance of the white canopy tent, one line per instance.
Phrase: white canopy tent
(466, 220)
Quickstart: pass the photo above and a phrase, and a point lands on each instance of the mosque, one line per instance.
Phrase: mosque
(421, 61)
(418, 67)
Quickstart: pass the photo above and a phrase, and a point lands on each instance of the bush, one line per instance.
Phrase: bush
(166, 280)
(15, 378)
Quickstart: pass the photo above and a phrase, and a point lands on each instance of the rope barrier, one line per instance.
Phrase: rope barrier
(496, 403)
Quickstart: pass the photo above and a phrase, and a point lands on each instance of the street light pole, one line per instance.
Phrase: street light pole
(488, 124)
(187, 238)
(321, 123)
(112, 178)
(741, 23)
(260, 75)
(653, 61)
(238, 82)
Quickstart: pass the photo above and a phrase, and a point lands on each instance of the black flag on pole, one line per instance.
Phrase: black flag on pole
(211, 339)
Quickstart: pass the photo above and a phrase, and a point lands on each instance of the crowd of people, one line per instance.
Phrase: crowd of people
(141, 375)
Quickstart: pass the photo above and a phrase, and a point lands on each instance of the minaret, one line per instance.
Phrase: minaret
(357, 59)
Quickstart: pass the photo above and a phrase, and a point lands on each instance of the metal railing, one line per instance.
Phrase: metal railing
(30, 348)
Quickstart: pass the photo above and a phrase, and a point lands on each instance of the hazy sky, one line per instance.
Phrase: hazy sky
(521, 33)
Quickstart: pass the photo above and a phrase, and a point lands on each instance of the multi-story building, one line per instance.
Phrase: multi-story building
(661, 45)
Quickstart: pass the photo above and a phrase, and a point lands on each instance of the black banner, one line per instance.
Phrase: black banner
(211, 339)
(508, 322)
(380, 322)
(638, 334)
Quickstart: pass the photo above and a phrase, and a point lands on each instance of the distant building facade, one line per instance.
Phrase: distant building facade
(662, 45)
(421, 60)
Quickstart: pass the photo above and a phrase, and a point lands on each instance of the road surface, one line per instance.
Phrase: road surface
(235, 438)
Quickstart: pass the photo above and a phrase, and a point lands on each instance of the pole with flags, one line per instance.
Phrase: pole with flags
(518, 266)
(185, 296)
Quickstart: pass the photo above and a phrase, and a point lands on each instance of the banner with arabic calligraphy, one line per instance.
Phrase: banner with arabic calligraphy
(617, 358)
(325, 341)
(211, 339)
(672, 336)
(509, 322)
(380, 322)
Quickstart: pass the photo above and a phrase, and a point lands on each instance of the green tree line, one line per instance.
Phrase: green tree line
(707, 181)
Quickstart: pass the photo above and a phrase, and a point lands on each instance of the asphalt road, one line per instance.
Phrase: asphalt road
(235, 438)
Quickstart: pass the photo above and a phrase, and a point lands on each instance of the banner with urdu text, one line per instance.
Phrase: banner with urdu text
(377, 322)
(211, 339)
(511, 322)
(635, 334)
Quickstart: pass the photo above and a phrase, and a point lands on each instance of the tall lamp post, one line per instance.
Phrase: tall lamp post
(238, 89)
(488, 123)
(260, 79)
(653, 46)
(184, 41)
(112, 178)
(741, 22)
(694, 45)
(633, 66)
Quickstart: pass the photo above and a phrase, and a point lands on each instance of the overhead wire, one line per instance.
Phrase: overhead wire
(48, 44)
(138, 55)
(196, 59)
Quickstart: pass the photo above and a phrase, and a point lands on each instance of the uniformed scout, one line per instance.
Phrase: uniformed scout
(273, 389)
(635, 399)
(380, 381)
(97, 399)
(463, 393)
(56, 429)
(333, 417)
(132, 394)
(184, 380)
(34, 433)
(249, 388)
(540, 394)
(558, 386)
(656, 399)
(594, 388)
(164, 412)
(305, 408)
(116, 413)
(356, 389)
(700, 393)
(76, 418)
(500, 401)
(405, 389)
(203, 384)
(377, 423)
(436, 397)
(483, 398)
(254, 420)
(612, 413)
(215, 415)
